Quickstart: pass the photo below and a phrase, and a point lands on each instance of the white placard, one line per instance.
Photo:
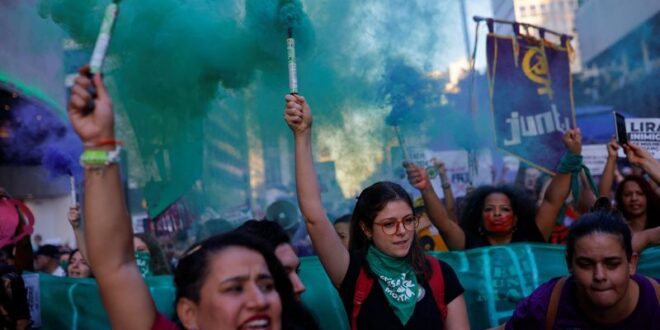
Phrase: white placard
(645, 132)
(594, 156)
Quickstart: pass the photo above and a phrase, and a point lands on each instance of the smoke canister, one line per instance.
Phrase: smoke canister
(103, 40)
(291, 57)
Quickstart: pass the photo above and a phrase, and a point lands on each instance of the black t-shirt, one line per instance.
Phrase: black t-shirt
(376, 312)
(532, 234)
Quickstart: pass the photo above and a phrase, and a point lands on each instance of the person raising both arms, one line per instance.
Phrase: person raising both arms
(500, 215)
(384, 278)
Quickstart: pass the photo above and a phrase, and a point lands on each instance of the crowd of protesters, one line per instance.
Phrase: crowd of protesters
(375, 255)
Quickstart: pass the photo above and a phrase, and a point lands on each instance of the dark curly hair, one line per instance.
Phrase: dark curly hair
(524, 208)
(372, 200)
(652, 200)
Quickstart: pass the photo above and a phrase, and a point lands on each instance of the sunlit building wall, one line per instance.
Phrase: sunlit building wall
(620, 54)
(556, 15)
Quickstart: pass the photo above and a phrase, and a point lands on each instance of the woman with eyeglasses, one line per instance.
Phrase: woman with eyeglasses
(384, 278)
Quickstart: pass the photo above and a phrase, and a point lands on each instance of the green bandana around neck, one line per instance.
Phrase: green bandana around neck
(572, 163)
(65, 265)
(143, 259)
(398, 280)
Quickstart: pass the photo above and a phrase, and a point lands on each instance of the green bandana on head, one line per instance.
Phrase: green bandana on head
(398, 280)
(143, 259)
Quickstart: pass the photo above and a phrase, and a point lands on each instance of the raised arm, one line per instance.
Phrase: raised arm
(450, 202)
(639, 157)
(643, 239)
(326, 242)
(587, 196)
(560, 186)
(605, 184)
(76, 224)
(108, 231)
(451, 232)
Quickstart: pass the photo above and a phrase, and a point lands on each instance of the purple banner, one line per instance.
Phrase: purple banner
(531, 98)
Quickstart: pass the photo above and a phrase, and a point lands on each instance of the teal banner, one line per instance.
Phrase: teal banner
(494, 278)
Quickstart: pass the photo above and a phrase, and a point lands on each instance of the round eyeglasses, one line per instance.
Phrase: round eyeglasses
(391, 226)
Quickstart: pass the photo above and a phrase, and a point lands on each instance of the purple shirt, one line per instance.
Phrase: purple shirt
(530, 312)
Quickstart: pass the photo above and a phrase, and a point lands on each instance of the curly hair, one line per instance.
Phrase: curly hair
(372, 200)
(471, 213)
(652, 200)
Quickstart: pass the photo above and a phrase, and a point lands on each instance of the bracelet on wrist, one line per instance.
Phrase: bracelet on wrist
(104, 143)
(95, 158)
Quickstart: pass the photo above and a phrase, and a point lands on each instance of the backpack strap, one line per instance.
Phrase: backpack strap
(554, 303)
(362, 289)
(437, 284)
(656, 286)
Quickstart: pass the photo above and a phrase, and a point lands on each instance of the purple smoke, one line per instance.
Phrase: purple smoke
(38, 136)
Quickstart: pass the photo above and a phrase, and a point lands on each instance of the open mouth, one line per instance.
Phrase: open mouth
(256, 323)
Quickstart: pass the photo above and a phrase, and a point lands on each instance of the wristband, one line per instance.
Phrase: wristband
(446, 185)
(104, 142)
(99, 158)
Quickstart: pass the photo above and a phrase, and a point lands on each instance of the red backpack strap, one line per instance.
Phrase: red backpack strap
(437, 284)
(362, 289)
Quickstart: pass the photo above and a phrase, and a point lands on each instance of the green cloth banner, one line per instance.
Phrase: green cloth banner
(494, 278)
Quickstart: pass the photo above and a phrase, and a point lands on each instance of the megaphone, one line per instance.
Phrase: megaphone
(285, 214)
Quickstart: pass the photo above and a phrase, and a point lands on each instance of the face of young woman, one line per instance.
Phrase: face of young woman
(634, 200)
(139, 245)
(601, 270)
(238, 293)
(343, 230)
(78, 266)
(498, 216)
(393, 230)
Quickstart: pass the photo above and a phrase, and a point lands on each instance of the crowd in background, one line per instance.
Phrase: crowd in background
(385, 234)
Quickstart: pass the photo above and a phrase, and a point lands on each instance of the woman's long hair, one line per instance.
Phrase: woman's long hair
(652, 200)
(157, 262)
(371, 201)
